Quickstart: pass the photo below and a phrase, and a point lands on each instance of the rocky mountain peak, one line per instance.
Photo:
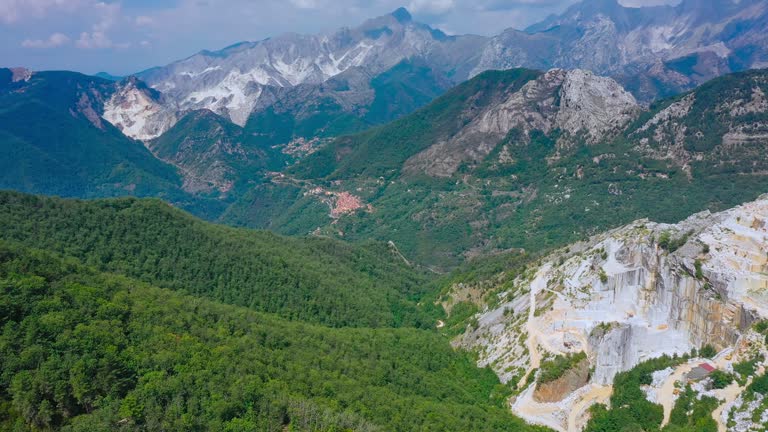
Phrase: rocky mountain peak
(402, 15)
(577, 102)
(650, 49)
(593, 105)
(236, 80)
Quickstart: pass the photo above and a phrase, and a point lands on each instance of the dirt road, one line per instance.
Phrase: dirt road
(577, 415)
(667, 392)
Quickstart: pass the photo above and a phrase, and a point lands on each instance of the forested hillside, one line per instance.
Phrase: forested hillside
(382, 151)
(506, 161)
(87, 351)
(54, 141)
(384, 227)
(210, 153)
(310, 279)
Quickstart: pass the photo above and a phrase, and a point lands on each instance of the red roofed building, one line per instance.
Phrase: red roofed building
(700, 372)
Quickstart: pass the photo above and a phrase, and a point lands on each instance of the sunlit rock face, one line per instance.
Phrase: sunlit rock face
(634, 293)
(234, 81)
(644, 47)
(138, 111)
(652, 51)
(581, 105)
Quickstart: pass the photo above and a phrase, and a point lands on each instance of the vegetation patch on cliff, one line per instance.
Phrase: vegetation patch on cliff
(574, 376)
(554, 369)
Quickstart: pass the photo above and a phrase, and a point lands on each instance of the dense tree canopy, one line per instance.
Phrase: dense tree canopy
(82, 350)
(312, 279)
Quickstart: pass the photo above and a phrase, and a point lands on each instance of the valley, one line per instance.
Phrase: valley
(516, 171)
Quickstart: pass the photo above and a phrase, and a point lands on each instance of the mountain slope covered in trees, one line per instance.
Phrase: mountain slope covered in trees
(82, 350)
(54, 141)
(312, 279)
(492, 165)
(57, 142)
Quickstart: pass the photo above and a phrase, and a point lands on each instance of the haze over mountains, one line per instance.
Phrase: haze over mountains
(651, 50)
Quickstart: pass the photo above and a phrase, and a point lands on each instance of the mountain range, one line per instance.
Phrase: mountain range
(653, 51)
(249, 75)
(561, 228)
(281, 133)
(525, 159)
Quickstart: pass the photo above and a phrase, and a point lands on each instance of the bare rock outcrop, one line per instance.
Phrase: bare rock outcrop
(20, 74)
(138, 111)
(629, 295)
(580, 104)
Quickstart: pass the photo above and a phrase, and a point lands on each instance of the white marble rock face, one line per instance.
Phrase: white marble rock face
(137, 112)
(622, 299)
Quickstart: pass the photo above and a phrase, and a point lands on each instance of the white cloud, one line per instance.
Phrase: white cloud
(12, 11)
(432, 7)
(98, 37)
(93, 40)
(53, 41)
(143, 20)
(305, 4)
(108, 14)
(100, 16)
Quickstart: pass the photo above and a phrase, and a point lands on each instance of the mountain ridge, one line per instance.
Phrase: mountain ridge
(377, 44)
(662, 49)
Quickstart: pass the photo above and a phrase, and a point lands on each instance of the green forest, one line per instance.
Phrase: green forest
(310, 279)
(127, 314)
(82, 350)
(131, 314)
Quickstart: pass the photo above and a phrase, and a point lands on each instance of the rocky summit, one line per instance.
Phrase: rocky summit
(238, 79)
(138, 111)
(575, 102)
(650, 49)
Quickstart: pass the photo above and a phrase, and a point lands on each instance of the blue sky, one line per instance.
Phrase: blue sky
(127, 36)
